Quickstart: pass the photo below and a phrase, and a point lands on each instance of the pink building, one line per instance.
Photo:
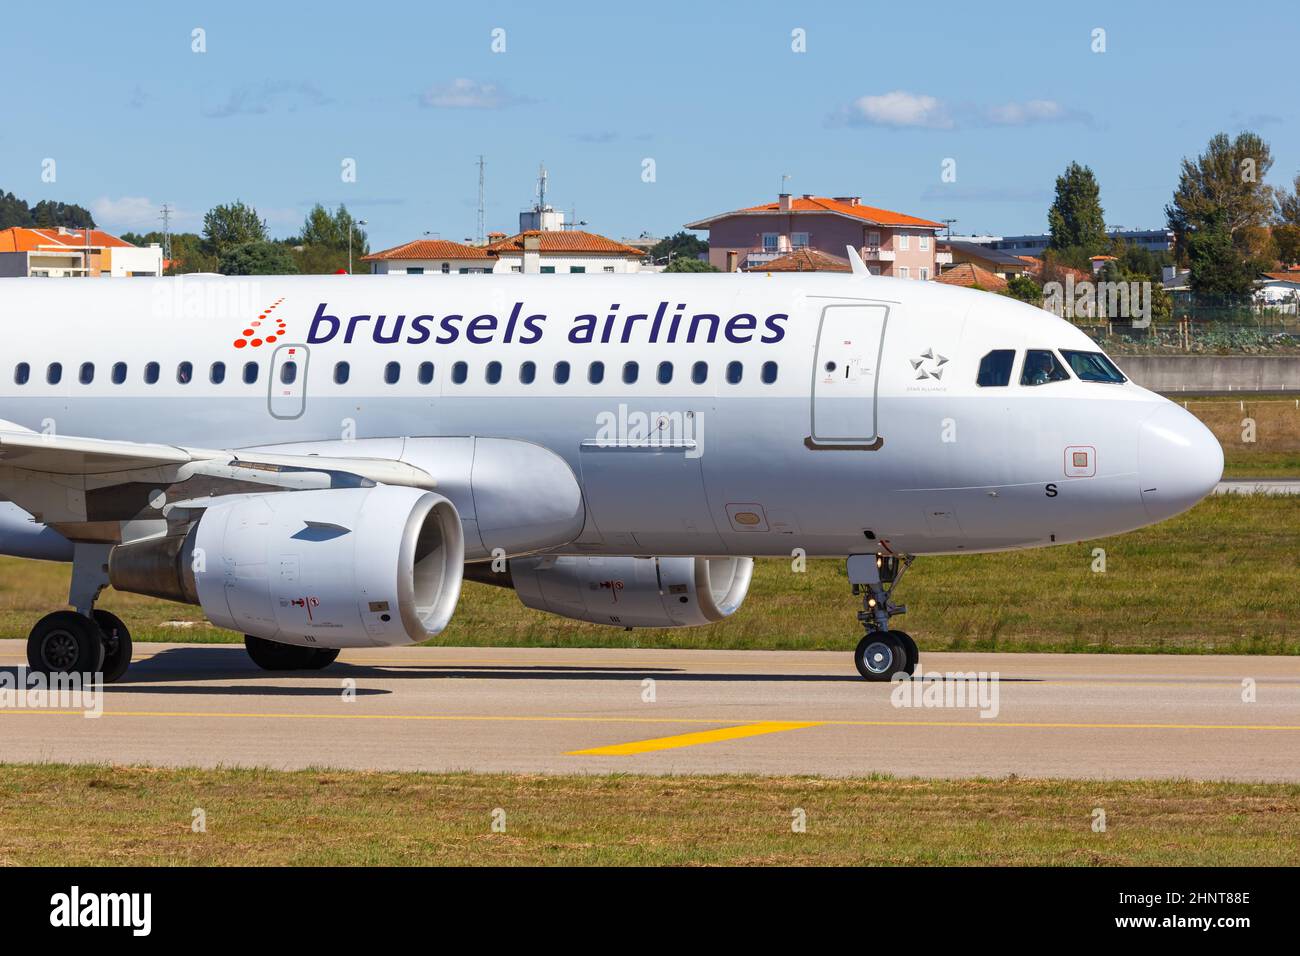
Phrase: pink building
(891, 243)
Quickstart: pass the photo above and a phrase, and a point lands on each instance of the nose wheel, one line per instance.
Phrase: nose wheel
(883, 653)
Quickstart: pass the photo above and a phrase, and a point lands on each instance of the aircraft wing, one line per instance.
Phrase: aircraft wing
(92, 489)
(59, 455)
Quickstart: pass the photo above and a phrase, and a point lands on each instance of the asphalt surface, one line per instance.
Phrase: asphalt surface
(764, 712)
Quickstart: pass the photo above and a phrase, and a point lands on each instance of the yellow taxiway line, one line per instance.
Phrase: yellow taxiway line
(693, 739)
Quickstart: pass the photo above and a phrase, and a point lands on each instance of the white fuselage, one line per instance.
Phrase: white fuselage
(838, 414)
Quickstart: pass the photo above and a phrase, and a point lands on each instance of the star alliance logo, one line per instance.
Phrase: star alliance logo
(929, 358)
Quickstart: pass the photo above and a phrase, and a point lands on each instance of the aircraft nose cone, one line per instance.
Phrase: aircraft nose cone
(1179, 461)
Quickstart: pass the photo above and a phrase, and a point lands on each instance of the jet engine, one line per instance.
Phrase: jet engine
(627, 591)
(341, 567)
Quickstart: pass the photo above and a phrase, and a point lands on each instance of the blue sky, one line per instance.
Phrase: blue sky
(713, 93)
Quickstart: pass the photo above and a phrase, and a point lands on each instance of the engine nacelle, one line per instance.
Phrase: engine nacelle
(343, 567)
(632, 592)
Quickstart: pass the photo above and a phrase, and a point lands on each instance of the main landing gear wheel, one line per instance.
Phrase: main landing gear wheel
(880, 655)
(274, 656)
(117, 644)
(65, 642)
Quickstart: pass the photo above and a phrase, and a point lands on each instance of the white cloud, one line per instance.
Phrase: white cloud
(1031, 112)
(463, 94)
(900, 108)
(271, 95)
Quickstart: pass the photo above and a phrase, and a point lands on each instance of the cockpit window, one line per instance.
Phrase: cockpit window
(1042, 366)
(995, 368)
(1093, 366)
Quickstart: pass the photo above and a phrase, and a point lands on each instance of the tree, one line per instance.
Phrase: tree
(1287, 238)
(1219, 270)
(680, 245)
(1286, 205)
(1075, 219)
(1219, 212)
(257, 259)
(690, 265)
(13, 211)
(227, 226)
(1025, 289)
(48, 214)
(324, 241)
(1224, 186)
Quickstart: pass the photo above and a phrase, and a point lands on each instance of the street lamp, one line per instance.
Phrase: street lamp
(351, 226)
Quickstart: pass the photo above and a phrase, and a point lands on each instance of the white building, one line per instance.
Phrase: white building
(61, 253)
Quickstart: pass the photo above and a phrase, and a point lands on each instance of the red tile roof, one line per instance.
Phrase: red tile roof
(970, 276)
(23, 239)
(824, 204)
(431, 249)
(805, 260)
(1291, 276)
(569, 240)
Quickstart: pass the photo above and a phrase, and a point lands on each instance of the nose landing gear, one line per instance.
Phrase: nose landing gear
(882, 653)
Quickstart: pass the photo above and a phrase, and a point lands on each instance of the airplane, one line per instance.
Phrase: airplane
(319, 462)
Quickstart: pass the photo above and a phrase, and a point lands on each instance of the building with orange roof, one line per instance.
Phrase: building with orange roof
(60, 252)
(805, 260)
(968, 275)
(431, 255)
(534, 251)
(890, 243)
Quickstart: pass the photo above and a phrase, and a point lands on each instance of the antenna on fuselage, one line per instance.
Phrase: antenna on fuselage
(855, 260)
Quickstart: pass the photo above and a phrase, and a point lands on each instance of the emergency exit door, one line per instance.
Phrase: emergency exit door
(846, 373)
(288, 381)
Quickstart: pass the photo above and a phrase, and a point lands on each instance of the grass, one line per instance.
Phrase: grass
(1223, 578)
(351, 818)
(1275, 449)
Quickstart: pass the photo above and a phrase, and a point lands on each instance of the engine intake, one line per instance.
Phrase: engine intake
(344, 567)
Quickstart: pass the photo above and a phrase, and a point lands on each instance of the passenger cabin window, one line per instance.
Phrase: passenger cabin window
(1093, 367)
(151, 373)
(527, 372)
(392, 372)
(119, 373)
(250, 373)
(492, 373)
(459, 372)
(769, 373)
(217, 374)
(665, 373)
(288, 373)
(22, 372)
(630, 372)
(1042, 366)
(342, 372)
(596, 373)
(185, 373)
(86, 374)
(995, 368)
(54, 374)
(561, 375)
(700, 373)
(735, 372)
(425, 373)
